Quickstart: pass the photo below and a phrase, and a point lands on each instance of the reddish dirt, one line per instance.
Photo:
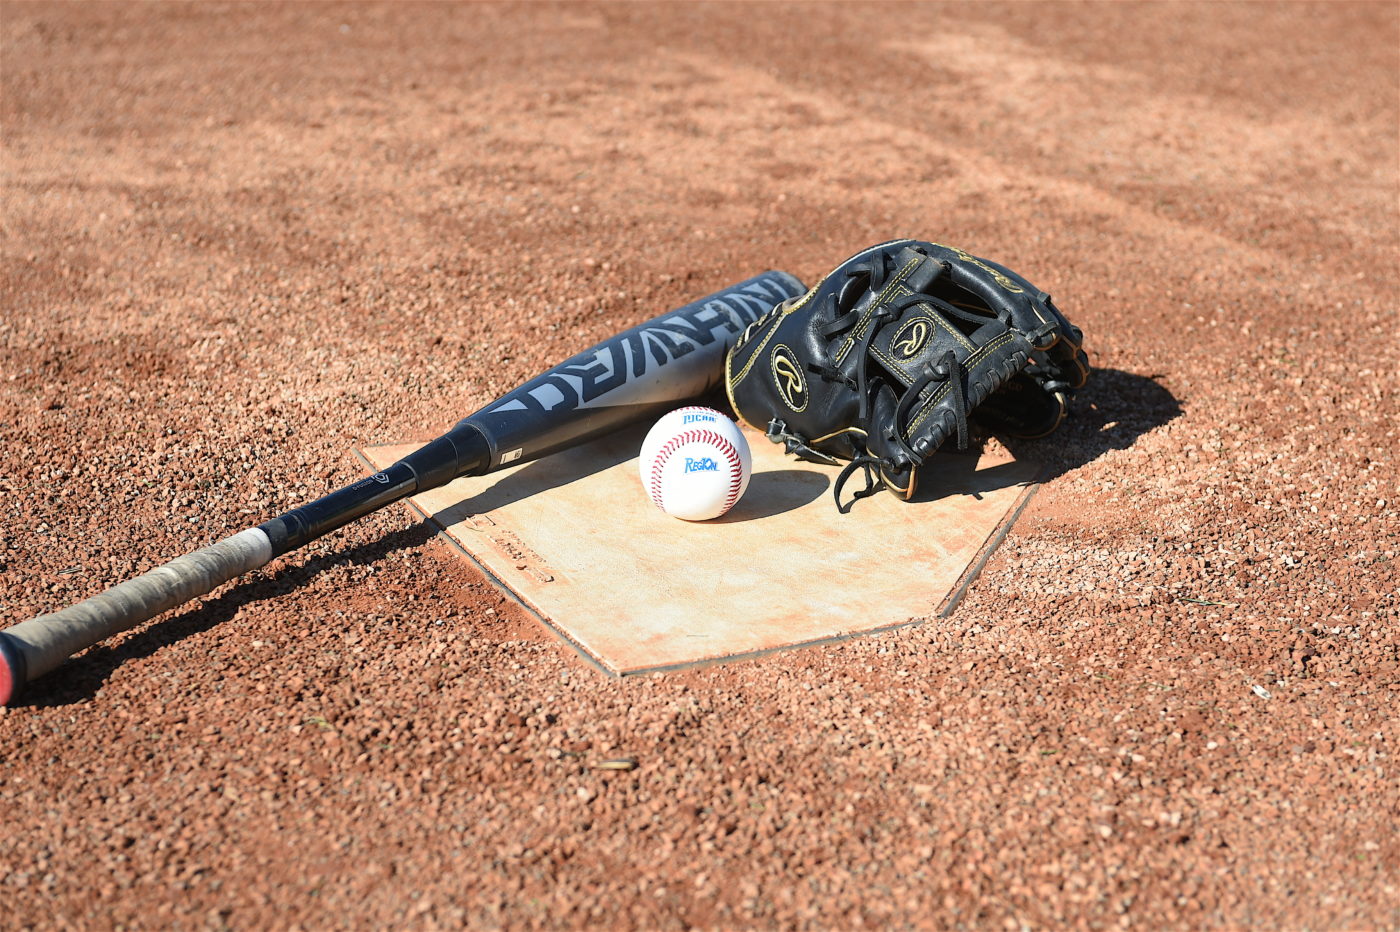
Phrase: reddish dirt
(240, 240)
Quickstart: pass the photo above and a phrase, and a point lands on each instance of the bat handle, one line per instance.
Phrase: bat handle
(34, 647)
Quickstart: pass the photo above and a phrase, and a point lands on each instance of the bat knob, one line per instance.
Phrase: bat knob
(12, 669)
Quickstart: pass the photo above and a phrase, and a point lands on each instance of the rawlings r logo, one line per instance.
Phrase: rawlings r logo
(912, 337)
(787, 376)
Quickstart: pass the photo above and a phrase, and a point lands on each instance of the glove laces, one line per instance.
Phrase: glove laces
(949, 370)
(871, 465)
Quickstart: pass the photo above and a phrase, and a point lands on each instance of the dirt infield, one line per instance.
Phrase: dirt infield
(240, 240)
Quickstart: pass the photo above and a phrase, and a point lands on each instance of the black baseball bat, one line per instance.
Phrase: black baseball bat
(639, 372)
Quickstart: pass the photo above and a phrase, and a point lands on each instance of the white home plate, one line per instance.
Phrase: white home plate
(575, 538)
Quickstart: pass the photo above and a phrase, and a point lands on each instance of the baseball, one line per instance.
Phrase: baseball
(695, 463)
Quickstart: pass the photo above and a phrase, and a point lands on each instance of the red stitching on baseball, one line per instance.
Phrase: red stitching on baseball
(736, 475)
(736, 470)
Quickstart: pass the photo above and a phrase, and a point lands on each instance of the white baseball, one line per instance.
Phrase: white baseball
(695, 463)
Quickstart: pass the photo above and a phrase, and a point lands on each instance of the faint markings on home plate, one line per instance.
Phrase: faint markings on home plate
(575, 539)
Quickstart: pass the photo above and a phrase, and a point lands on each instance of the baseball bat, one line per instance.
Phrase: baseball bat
(639, 372)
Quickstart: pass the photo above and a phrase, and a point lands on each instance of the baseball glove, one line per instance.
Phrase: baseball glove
(894, 352)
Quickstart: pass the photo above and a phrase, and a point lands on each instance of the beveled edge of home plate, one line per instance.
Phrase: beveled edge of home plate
(949, 604)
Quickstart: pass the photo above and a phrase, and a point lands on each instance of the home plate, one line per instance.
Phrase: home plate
(576, 540)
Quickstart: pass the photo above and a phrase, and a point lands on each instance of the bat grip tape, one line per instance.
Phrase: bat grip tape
(34, 647)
